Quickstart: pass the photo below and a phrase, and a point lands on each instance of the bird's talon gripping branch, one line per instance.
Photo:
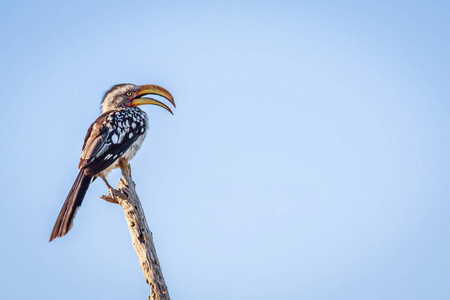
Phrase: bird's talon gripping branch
(113, 196)
(115, 193)
(111, 141)
(122, 183)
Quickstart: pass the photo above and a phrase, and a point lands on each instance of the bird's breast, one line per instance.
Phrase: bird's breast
(125, 126)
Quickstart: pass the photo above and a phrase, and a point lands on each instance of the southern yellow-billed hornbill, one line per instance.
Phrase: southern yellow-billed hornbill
(117, 133)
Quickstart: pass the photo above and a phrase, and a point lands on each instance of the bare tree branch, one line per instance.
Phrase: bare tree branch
(141, 236)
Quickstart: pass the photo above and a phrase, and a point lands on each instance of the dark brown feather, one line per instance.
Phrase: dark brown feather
(74, 199)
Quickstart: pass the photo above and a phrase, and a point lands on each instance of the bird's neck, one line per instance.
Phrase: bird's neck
(133, 108)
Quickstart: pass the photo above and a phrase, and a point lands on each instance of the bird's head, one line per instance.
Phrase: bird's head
(127, 95)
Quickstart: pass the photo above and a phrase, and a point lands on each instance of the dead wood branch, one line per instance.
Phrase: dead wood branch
(141, 236)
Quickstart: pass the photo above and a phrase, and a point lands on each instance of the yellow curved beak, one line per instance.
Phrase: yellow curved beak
(151, 89)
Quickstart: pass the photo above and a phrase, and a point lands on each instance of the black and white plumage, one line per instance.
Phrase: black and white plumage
(117, 133)
(114, 134)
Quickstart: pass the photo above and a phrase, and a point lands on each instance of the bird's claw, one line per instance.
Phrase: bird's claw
(113, 196)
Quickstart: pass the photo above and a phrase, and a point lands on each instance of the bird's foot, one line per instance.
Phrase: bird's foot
(113, 196)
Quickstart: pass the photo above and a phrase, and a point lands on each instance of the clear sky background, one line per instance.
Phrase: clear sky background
(308, 157)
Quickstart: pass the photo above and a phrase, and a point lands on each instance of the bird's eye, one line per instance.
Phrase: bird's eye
(129, 94)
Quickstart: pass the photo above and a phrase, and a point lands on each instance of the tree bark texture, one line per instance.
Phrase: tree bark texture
(141, 236)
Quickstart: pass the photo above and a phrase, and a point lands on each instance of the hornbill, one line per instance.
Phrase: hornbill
(117, 133)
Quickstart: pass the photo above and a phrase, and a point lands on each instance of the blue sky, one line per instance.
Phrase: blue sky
(307, 157)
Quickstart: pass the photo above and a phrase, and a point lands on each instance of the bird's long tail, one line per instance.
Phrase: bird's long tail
(73, 201)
